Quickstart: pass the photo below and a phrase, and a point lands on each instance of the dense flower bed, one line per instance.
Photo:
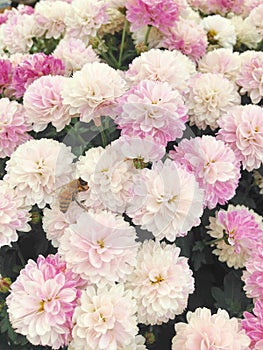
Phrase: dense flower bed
(131, 151)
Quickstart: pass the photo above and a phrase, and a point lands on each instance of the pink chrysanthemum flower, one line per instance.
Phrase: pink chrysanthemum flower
(13, 126)
(214, 165)
(253, 325)
(206, 331)
(89, 93)
(42, 302)
(37, 167)
(161, 282)
(43, 103)
(242, 129)
(104, 319)
(100, 247)
(225, 6)
(188, 37)
(156, 13)
(12, 217)
(255, 18)
(238, 231)
(253, 274)
(32, 68)
(172, 67)
(166, 200)
(5, 74)
(250, 77)
(84, 18)
(152, 109)
(74, 54)
(223, 61)
(209, 97)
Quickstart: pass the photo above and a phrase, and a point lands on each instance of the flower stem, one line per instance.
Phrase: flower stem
(147, 35)
(103, 136)
(122, 43)
(214, 241)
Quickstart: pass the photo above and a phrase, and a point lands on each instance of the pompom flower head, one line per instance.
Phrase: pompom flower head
(242, 129)
(105, 319)
(214, 165)
(206, 331)
(161, 282)
(253, 325)
(240, 230)
(42, 301)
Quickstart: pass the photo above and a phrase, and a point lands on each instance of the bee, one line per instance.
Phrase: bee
(69, 192)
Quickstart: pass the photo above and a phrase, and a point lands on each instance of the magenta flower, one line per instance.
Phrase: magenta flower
(5, 73)
(156, 13)
(42, 301)
(32, 68)
(253, 325)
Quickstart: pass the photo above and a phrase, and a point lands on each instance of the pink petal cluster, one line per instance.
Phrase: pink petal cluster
(5, 73)
(188, 37)
(207, 331)
(42, 301)
(105, 319)
(238, 230)
(250, 77)
(253, 325)
(253, 274)
(156, 13)
(13, 126)
(242, 129)
(100, 247)
(152, 109)
(12, 217)
(214, 165)
(43, 103)
(166, 200)
(161, 282)
(33, 67)
(225, 6)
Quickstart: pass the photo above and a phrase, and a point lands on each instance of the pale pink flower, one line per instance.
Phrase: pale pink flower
(207, 331)
(166, 200)
(253, 325)
(238, 230)
(221, 61)
(89, 93)
(100, 247)
(188, 37)
(225, 6)
(13, 126)
(253, 273)
(255, 18)
(209, 97)
(42, 302)
(74, 54)
(84, 18)
(43, 103)
(242, 129)
(37, 167)
(50, 16)
(220, 31)
(152, 109)
(156, 13)
(33, 67)
(104, 319)
(214, 165)
(249, 5)
(161, 282)
(5, 74)
(250, 77)
(13, 218)
(162, 65)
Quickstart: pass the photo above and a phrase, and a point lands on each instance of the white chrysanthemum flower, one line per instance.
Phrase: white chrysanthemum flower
(100, 247)
(161, 282)
(104, 319)
(37, 168)
(223, 61)
(166, 200)
(247, 34)
(162, 65)
(220, 31)
(210, 96)
(88, 92)
(255, 18)
(51, 17)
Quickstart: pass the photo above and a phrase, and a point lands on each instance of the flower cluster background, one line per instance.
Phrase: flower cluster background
(131, 177)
